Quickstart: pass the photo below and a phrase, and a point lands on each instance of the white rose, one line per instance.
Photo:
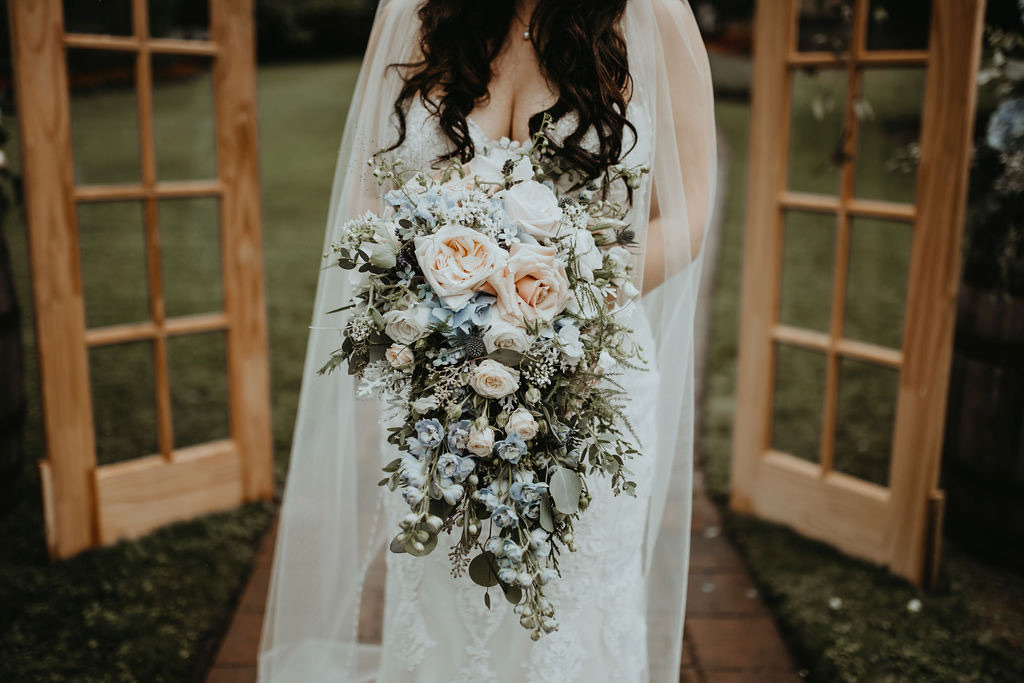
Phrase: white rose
(456, 260)
(572, 347)
(491, 379)
(534, 207)
(604, 363)
(588, 256)
(425, 404)
(522, 170)
(487, 168)
(628, 292)
(481, 441)
(399, 355)
(503, 335)
(405, 326)
(522, 423)
(619, 256)
(586, 304)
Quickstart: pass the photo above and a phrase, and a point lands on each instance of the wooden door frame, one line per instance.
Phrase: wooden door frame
(86, 505)
(890, 526)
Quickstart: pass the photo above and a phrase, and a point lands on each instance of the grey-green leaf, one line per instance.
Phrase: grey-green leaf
(547, 518)
(428, 545)
(565, 487)
(481, 570)
(513, 594)
(487, 600)
(396, 546)
(506, 357)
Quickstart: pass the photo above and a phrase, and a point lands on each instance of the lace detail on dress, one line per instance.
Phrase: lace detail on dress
(480, 624)
(404, 613)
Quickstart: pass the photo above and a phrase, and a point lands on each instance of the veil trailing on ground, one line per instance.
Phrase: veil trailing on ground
(332, 522)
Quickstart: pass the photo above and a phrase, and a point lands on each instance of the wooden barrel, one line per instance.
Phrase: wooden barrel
(12, 382)
(983, 456)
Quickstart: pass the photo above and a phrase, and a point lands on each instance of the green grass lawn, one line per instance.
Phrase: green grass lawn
(152, 610)
(971, 627)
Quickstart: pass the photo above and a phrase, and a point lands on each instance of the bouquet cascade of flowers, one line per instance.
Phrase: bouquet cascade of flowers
(484, 317)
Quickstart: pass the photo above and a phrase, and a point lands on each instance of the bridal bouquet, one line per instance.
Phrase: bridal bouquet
(484, 318)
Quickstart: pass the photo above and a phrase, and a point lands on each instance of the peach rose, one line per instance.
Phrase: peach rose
(532, 285)
(399, 355)
(456, 260)
(491, 379)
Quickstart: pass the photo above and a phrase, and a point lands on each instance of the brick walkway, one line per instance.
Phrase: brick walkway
(730, 636)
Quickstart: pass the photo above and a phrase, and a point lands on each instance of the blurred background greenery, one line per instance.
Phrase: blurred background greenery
(154, 609)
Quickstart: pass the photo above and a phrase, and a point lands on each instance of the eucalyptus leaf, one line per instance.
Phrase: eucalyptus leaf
(378, 319)
(565, 488)
(428, 546)
(506, 357)
(513, 594)
(481, 570)
(547, 518)
(383, 481)
(487, 600)
(393, 465)
(440, 507)
(396, 546)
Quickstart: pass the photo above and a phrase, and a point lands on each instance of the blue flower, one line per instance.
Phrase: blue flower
(416, 447)
(488, 498)
(512, 551)
(560, 431)
(466, 467)
(475, 313)
(523, 492)
(458, 435)
(511, 448)
(430, 432)
(450, 491)
(412, 495)
(448, 465)
(505, 517)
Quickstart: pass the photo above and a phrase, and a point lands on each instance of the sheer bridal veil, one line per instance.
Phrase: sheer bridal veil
(331, 521)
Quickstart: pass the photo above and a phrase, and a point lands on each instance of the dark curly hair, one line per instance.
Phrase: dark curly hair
(581, 52)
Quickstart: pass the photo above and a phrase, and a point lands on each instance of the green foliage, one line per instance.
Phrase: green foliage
(970, 628)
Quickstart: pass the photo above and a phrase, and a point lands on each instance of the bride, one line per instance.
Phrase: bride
(624, 81)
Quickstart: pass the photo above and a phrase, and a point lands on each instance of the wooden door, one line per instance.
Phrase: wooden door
(803, 340)
(88, 503)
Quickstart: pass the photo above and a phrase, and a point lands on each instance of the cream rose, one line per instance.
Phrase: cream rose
(405, 326)
(619, 256)
(522, 423)
(481, 441)
(588, 257)
(503, 335)
(399, 355)
(534, 206)
(456, 260)
(532, 286)
(491, 379)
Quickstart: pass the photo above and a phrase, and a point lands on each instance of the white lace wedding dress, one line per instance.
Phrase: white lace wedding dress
(437, 629)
